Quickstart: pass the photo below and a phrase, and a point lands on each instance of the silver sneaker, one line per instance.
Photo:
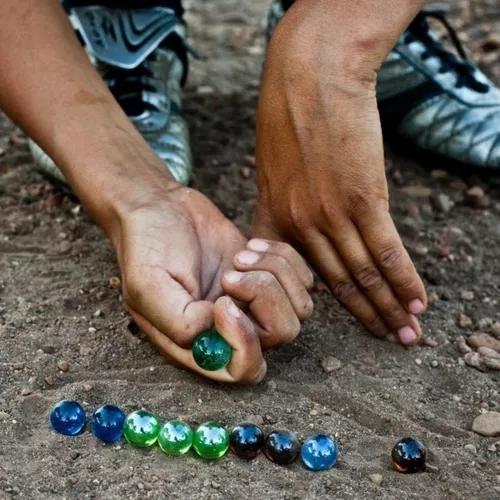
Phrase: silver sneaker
(437, 101)
(141, 54)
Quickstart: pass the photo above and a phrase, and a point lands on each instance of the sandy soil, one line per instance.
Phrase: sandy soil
(55, 267)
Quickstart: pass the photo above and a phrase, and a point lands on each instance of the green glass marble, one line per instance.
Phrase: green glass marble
(211, 440)
(141, 428)
(175, 438)
(211, 352)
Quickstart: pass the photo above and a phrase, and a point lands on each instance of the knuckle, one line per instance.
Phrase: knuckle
(264, 278)
(391, 259)
(299, 218)
(407, 284)
(279, 261)
(344, 290)
(394, 313)
(359, 204)
(370, 278)
(377, 326)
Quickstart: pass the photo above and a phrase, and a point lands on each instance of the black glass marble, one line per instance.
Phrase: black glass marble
(282, 447)
(246, 440)
(408, 455)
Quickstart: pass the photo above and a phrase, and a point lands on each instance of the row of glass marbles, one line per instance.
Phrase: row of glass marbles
(210, 440)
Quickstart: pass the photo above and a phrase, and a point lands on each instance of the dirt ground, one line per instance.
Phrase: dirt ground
(55, 267)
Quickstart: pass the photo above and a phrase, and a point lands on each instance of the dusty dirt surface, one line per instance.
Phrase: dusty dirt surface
(55, 267)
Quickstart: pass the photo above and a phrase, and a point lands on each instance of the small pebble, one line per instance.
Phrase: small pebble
(418, 361)
(421, 250)
(484, 323)
(430, 342)
(484, 340)
(474, 360)
(97, 314)
(495, 329)
(463, 347)
(92, 329)
(245, 172)
(434, 363)
(432, 298)
(471, 448)
(26, 392)
(491, 44)
(87, 387)
(487, 424)
(63, 366)
(488, 352)
(331, 364)
(475, 197)
(442, 202)
(49, 380)
(464, 321)
(115, 282)
(491, 363)
(376, 479)
(467, 295)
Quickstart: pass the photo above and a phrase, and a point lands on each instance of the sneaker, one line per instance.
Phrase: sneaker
(438, 101)
(142, 56)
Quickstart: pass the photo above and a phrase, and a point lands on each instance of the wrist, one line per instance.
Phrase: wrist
(346, 40)
(111, 168)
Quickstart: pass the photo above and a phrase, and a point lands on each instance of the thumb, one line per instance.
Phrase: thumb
(169, 308)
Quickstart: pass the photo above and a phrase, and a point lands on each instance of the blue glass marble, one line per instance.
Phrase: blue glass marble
(319, 452)
(106, 423)
(68, 418)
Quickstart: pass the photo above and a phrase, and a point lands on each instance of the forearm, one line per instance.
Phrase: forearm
(350, 38)
(50, 89)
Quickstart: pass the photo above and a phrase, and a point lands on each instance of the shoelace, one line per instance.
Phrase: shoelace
(128, 85)
(419, 29)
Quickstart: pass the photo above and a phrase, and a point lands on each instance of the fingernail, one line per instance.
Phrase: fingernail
(232, 309)
(233, 276)
(416, 306)
(407, 335)
(247, 258)
(258, 245)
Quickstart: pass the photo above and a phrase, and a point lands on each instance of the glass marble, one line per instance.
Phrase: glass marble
(319, 452)
(211, 352)
(175, 438)
(141, 428)
(282, 447)
(211, 440)
(107, 422)
(246, 440)
(408, 455)
(68, 418)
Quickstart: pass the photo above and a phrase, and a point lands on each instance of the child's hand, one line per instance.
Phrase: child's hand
(273, 280)
(177, 255)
